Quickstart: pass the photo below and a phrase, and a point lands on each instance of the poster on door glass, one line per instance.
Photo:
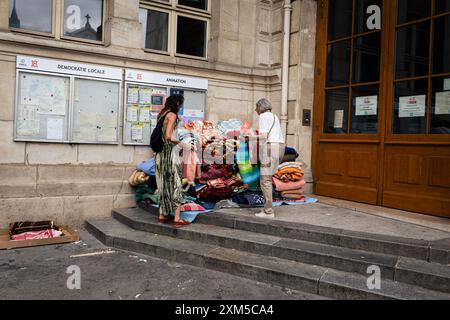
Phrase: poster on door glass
(412, 107)
(366, 106)
(442, 103)
(446, 84)
(338, 119)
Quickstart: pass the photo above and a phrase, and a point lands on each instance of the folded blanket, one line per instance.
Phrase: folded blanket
(287, 174)
(292, 194)
(281, 186)
(297, 165)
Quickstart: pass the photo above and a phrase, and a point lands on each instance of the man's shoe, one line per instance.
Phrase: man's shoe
(265, 215)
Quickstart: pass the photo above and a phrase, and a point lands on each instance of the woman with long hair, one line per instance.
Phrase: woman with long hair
(167, 164)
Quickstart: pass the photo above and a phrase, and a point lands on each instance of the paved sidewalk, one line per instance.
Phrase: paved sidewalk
(40, 273)
(332, 216)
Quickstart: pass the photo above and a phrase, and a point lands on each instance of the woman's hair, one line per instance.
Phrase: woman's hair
(264, 105)
(173, 104)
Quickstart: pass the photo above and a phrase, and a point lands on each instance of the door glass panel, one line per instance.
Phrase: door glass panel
(366, 58)
(362, 17)
(441, 45)
(340, 19)
(336, 108)
(442, 6)
(364, 116)
(338, 63)
(440, 106)
(410, 101)
(410, 10)
(412, 50)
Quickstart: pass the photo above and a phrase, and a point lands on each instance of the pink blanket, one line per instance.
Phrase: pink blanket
(281, 186)
(33, 235)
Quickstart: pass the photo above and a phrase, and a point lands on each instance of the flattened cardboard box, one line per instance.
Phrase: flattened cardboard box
(69, 235)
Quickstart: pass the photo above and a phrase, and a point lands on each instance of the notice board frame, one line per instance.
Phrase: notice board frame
(25, 65)
(126, 141)
(161, 80)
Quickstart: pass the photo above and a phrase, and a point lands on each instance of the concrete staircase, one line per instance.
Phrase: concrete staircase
(324, 261)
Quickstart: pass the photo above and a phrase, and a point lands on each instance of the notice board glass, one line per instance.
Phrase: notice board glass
(42, 107)
(142, 105)
(95, 111)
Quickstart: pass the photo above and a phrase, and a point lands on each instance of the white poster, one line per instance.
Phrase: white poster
(339, 119)
(366, 106)
(446, 84)
(442, 103)
(54, 129)
(145, 96)
(412, 107)
(28, 121)
(133, 95)
(137, 132)
(144, 115)
(132, 114)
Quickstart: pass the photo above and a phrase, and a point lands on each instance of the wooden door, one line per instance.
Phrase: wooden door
(371, 143)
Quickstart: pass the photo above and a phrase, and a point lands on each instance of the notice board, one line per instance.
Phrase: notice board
(66, 102)
(42, 107)
(96, 110)
(142, 105)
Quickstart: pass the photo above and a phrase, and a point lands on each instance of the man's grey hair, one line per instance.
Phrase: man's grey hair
(264, 105)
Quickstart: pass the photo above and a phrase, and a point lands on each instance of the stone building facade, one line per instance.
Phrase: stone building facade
(70, 183)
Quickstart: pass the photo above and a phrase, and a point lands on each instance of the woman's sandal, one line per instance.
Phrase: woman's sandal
(163, 220)
(181, 223)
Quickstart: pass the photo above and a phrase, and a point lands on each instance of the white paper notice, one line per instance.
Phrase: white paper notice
(145, 96)
(137, 132)
(366, 106)
(28, 121)
(446, 84)
(133, 95)
(144, 115)
(132, 114)
(412, 107)
(54, 129)
(338, 119)
(442, 103)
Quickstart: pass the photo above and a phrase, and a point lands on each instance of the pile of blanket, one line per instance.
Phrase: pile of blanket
(288, 180)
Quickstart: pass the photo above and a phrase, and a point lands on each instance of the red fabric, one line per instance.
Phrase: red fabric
(33, 235)
(192, 207)
(281, 186)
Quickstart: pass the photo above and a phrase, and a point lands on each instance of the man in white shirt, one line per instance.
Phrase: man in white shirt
(272, 147)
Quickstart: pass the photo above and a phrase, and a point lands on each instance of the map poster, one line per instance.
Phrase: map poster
(442, 103)
(366, 106)
(412, 106)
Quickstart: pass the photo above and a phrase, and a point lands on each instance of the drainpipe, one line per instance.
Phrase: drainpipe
(285, 70)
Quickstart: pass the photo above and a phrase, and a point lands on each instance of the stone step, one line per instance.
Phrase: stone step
(428, 275)
(431, 251)
(287, 273)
